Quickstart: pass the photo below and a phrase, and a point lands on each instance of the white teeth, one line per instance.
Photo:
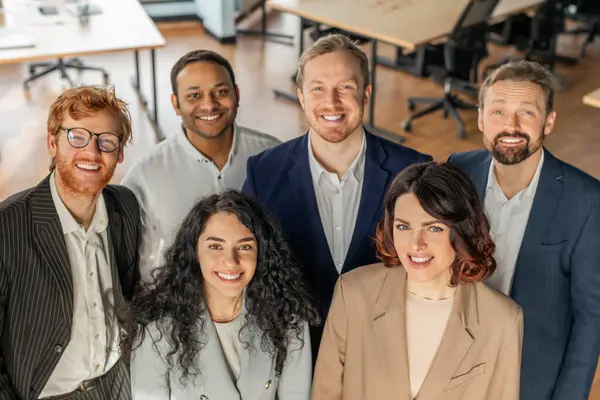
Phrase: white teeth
(510, 140)
(228, 277)
(332, 117)
(420, 259)
(210, 117)
(88, 167)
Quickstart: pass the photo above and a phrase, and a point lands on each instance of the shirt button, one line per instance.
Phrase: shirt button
(337, 191)
(337, 228)
(97, 337)
(97, 367)
(219, 177)
(94, 305)
(91, 274)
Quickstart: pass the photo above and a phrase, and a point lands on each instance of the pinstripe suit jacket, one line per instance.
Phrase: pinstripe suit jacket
(36, 287)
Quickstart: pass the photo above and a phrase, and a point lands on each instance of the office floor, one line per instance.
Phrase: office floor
(260, 67)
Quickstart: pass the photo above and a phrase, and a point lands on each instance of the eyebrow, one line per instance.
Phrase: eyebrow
(218, 84)
(426, 223)
(524, 102)
(218, 239)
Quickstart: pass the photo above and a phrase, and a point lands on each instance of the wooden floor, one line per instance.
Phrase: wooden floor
(260, 67)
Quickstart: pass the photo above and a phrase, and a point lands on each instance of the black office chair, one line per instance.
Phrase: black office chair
(463, 51)
(38, 70)
(587, 12)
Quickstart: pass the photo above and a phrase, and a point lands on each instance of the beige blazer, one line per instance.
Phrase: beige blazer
(363, 353)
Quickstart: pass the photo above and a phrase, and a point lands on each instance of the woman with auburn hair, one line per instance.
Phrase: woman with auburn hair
(227, 314)
(421, 324)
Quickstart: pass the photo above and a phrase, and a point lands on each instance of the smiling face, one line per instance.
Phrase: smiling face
(206, 100)
(514, 120)
(84, 172)
(422, 243)
(227, 253)
(333, 95)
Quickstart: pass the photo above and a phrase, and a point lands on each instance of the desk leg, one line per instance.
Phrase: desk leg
(136, 83)
(373, 79)
(284, 94)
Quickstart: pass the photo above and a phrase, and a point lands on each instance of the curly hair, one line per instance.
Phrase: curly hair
(277, 299)
(447, 194)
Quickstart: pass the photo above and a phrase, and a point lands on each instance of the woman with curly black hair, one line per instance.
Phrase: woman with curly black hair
(226, 316)
(422, 324)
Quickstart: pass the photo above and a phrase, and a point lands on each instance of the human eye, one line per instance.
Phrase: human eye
(402, 227)
(435, 228)
(214, 246)
(246, 247)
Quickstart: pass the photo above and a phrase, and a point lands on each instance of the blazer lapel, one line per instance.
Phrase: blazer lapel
(390, 327)
(115, 238)
(50, 242)
(480, 175)
(545, 204)
(256, 368)
(373, 192)
(455, 343)
(308, 209)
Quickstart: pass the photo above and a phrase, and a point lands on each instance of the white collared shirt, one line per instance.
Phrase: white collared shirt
(338, 201)
(508, 219)
(93, 348)
(170, 180)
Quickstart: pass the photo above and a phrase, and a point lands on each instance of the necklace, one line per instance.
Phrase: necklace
(428, 298)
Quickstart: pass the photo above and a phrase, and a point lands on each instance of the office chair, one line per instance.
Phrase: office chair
(587, 12)
(463, 51)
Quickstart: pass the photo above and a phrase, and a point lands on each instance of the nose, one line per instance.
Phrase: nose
(232, 258)
(332, 98)
(512, 123)
(208, 103)
(417, 240)
(92, 147)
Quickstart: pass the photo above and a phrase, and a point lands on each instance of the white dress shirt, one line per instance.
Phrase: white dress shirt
(338, 201)
(170, 180)
(93, 348)
(508, 219)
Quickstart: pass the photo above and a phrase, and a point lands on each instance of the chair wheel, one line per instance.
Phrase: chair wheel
(105, 79)
(411, 106)
(31, 70)
(407, 126)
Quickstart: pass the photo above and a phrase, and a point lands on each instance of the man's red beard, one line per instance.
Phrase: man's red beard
(76, 184)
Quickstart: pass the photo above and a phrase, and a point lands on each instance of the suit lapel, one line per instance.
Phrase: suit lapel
(50, 242)
(115, 238)
(390, 327)
(545, 203)
(256, 368)
(308, 210)
(373, 191)
(455, 343)
(480, 175)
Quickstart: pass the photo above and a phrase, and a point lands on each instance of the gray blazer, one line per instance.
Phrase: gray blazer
(257, 377)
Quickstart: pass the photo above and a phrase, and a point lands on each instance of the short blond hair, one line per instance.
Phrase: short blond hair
(84, 101)
(522, 71)
(331, 44)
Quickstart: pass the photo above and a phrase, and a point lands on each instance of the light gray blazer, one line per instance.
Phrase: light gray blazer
(257, 376)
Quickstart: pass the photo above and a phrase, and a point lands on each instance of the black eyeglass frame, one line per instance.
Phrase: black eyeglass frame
(90, 135)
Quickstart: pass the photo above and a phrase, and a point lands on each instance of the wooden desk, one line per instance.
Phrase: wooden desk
(592, 99)
(123, 25)
(403, 23)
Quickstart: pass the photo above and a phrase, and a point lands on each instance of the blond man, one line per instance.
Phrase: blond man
(69, 259)
(326, 187)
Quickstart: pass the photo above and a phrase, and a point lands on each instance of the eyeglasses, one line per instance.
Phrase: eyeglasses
(107, 142)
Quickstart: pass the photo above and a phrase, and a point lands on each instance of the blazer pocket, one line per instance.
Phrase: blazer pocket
(548, 243)
(460, 379)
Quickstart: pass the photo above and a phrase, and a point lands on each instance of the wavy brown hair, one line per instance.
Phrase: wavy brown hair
(448, 195)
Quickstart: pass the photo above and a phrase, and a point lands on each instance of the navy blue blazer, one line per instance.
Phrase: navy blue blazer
(557, 278)
(280, 179)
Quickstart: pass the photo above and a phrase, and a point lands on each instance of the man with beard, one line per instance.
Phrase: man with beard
(206, 157)
(326, 188)
(69, 260)
(545, 219)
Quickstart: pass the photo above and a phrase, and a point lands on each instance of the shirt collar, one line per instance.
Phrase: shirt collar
(492, 182)
(68, 222)
(356, 167)
(189, 148)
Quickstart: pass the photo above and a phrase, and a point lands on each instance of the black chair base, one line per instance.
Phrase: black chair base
(591, 31)
(450, 104)
(62, 66)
